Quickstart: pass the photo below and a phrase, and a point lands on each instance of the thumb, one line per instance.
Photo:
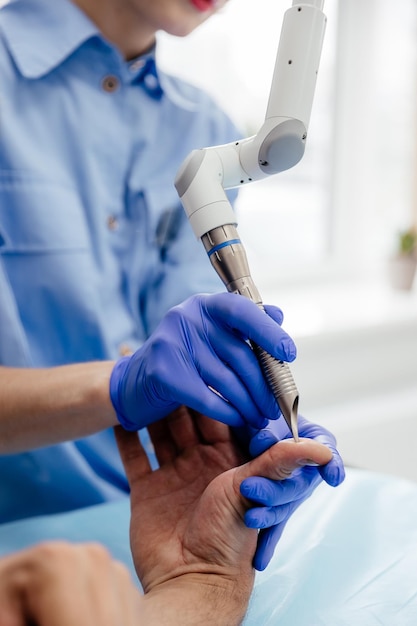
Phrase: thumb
(281, 459)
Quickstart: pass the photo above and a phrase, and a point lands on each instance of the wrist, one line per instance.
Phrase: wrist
(115, 389)
(192, 599)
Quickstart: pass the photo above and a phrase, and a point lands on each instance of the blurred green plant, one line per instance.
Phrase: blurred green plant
(407, 242)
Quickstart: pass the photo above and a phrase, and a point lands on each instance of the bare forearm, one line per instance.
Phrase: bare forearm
(41, 407)
(196, 601)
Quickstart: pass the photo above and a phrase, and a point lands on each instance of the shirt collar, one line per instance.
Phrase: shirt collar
(145, 74)
(53, 29)
(49, 33)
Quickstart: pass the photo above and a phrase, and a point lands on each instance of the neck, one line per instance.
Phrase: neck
(121, 25)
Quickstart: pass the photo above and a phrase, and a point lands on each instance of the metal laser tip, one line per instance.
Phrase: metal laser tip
(288, 404)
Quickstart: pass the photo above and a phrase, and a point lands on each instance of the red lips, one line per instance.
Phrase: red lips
(203, 5)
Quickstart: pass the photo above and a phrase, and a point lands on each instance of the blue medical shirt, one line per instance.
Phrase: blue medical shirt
(94, 244)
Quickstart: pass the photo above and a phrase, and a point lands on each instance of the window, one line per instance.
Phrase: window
(283, 221)
(337, 212)
(376, 103)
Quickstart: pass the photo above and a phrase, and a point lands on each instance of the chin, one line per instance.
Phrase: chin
(184, 16)
(184, 29)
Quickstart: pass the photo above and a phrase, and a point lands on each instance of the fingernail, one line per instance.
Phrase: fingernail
(308, 462)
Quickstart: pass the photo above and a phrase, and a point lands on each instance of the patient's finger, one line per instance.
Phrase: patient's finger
(164, 447)
(183, 429)
(211, 431)
(279, 461)
(134, 457)
(173, 434)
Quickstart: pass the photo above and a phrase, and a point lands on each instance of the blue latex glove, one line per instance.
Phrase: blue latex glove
(202, 344)
(279, 499)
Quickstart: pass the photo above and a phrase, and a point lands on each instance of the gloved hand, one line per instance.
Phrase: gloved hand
(277, 500)
(198, 349)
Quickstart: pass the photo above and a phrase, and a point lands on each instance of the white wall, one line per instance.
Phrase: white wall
(356, 369)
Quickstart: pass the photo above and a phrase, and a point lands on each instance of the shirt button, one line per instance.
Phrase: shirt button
(125, 350)
(151, 81)
(110, 83)
(112, 222)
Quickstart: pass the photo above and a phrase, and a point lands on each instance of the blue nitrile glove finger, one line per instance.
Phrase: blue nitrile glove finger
(275, 493)
(264, 438)
(333, 472)
(200, 346)
(270, 534)
(281, 498)
(271, 520)
(266, 517)
(255, 440)
(267, 542)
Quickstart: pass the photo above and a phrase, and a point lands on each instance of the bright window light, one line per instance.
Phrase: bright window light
(338, 211)
(283, 221)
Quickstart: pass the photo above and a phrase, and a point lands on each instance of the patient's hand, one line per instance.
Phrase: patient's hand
(59, 584)
(187, 517)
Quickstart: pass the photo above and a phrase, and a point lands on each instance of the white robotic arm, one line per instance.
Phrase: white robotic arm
(278, 146)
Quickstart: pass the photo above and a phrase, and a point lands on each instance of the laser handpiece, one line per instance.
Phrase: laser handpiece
(279, 145)
(228, 257)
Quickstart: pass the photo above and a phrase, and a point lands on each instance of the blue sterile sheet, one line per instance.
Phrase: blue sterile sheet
(347, 557)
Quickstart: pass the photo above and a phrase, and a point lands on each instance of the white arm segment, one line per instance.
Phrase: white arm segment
(279, 144)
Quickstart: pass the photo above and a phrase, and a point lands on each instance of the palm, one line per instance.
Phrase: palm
(181, 498)
(187, 515)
